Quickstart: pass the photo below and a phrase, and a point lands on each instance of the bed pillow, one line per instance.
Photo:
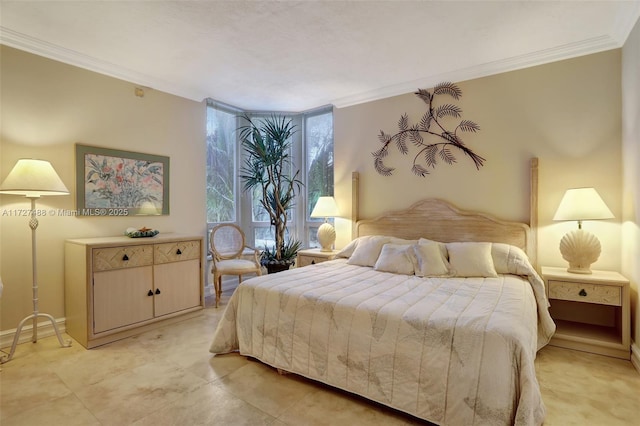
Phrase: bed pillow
(506, 258)
(396, 258)
(347, 250)
(396, 240)
(429, 260)
(367, 250)
(441, 246)
(469, 259)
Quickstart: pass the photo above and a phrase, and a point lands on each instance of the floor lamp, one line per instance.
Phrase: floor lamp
(33, 179)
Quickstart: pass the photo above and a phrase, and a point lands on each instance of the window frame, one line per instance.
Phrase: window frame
(300, 224)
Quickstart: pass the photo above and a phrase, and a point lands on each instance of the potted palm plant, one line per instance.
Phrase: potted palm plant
(268, 169)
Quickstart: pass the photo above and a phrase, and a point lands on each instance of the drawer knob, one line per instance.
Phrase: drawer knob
(157, 291)
(150, 293)
(179, 252)
(582, 293)
(313, 262)
(125, 257)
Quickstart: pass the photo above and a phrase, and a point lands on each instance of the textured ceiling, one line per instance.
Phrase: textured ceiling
(294, 56)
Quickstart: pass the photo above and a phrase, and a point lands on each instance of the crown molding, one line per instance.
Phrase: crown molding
(567, 51)
(43, 48)
(597, 44)
(625, 21)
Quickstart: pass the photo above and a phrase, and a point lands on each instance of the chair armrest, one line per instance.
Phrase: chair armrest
(256, 252)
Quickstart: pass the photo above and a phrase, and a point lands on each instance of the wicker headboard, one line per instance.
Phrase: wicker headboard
(439, 220)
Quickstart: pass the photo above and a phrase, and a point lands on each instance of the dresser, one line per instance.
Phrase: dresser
(116, 287)
(591, 311)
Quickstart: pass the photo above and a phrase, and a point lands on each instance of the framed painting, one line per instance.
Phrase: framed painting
(112, 182)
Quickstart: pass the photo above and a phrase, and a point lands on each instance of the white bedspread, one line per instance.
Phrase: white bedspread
(454, 351)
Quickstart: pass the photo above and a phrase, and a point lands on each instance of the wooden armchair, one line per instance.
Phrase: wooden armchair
(227, 244)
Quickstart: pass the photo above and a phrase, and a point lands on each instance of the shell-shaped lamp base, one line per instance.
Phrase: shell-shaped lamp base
(580, 248)
(326, 236)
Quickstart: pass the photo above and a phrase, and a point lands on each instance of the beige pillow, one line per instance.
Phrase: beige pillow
(441, 246)
(347, 250)
(505, 256)
(429, 260)
(469, 259)
(396, 258)
(367, 251)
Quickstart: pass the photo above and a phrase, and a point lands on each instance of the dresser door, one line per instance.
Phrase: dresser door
(177, 286)
(122, 297)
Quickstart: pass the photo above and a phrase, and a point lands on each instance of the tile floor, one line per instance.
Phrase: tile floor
(168, 377)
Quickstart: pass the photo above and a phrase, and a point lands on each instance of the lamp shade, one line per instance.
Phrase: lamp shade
(33, 178)
(325, 207)
(582, 204)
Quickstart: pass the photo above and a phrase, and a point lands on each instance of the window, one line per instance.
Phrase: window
(318, 142)
(221, 164)
(312, 154)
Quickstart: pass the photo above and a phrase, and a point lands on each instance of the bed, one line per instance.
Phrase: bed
(454, 346)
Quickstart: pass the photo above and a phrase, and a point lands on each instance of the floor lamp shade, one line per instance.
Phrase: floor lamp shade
(33, 179)
(579, 247)
(325, 207)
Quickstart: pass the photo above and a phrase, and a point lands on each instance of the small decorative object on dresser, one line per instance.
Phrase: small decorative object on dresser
(591, 312)
(313, 256)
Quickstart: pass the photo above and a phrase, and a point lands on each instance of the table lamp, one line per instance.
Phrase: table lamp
(33, 179)
(325, 207)
(579, 247)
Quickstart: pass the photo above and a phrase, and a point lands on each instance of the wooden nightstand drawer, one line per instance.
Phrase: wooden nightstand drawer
(313, 256)
(588, 293)
(310, 260)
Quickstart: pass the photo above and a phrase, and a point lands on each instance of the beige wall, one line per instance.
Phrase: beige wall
(631, 179)
(47, 107)
(566, 113)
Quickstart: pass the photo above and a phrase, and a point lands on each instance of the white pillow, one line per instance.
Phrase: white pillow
(367, 251)
(441, 246)
(429, 260)
(396, 240)
(347, 250)
(471, 259)
(396, 258)
(505, 256)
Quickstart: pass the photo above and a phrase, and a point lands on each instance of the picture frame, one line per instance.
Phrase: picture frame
(112, 182)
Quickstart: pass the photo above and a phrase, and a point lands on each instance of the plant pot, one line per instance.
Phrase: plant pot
(272, 268)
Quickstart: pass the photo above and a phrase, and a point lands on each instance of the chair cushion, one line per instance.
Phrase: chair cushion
(233, 266)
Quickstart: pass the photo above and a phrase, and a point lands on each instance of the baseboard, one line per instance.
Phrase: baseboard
(45, 329)
(635, 356)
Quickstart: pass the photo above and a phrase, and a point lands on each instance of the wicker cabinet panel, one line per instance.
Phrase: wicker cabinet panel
(177, 251)
(105, 259)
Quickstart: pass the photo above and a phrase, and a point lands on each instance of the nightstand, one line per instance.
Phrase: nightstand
(591, 311)
(313, 256)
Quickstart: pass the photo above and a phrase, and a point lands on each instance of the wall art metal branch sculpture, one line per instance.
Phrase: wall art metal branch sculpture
(429, 127)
